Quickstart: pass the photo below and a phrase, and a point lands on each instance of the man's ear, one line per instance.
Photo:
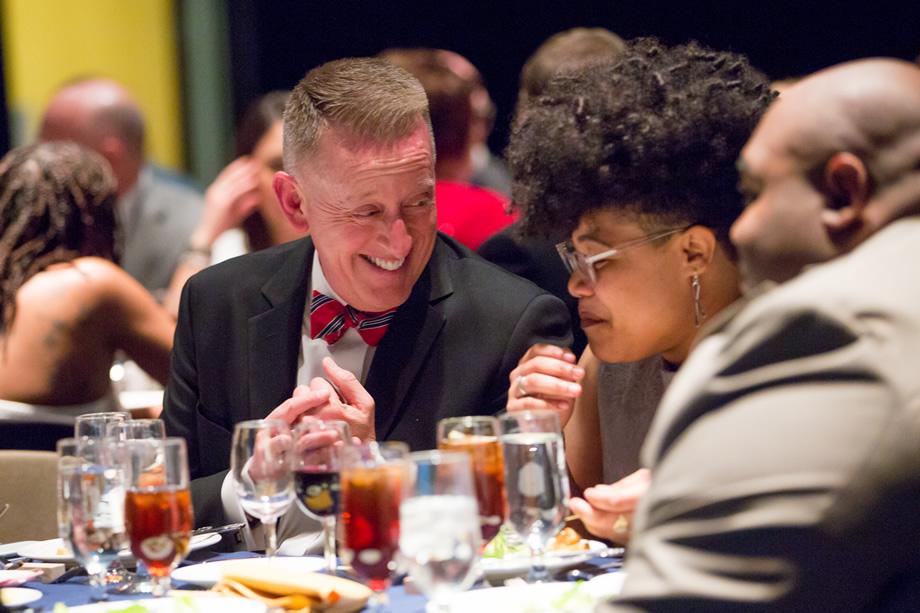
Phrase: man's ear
(699, 246)
(846, 185)
(291, 201)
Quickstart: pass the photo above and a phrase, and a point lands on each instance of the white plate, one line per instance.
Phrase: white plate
(56, 550)
(10, 549)
(202, 601)
(11, 578)
(18, 596)
(207, 574)
(523, 598)
(496, 570)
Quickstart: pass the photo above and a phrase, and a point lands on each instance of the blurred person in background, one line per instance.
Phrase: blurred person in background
(65, 305)
(466, 212)
(637, 160)
(488, 170)
(156, 211)
(241, 212)
(535, 258)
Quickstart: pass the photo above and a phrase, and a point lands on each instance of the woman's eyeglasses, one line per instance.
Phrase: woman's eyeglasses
(584, 264)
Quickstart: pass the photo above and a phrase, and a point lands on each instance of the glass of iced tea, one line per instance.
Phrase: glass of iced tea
(373, 479)
(158, 506)
(477, 435)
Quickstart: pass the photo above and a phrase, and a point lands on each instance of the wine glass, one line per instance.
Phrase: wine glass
(97, 424)
(536, 481)
(373, 479)
(261, 463)
(91, 511)
(318, 448)
(130, 429)
(477, 435)
(158, 505)
(439, 533)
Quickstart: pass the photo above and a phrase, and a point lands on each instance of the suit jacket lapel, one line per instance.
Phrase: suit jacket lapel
(275, 333)
(404, 349)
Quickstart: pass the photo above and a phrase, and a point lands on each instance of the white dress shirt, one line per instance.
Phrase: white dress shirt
(349, 352)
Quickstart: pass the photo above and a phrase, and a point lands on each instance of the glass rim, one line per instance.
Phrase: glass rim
(260, 423)
(468, 419)
(436, 457)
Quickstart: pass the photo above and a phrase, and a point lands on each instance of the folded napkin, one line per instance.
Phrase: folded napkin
(292, 590)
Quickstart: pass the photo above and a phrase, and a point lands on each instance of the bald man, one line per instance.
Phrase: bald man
(157, 213)
(785, 453)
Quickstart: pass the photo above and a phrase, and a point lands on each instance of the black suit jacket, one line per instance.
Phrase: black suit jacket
(448, 351)
(538, 261)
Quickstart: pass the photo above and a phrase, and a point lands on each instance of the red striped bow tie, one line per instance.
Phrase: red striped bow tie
(329, 319)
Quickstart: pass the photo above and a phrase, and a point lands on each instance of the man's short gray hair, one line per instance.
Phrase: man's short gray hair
(369, 98)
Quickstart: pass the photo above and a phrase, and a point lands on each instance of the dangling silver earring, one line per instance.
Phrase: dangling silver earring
(698, 313)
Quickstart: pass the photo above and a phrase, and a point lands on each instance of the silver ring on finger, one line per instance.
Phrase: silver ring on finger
(519, 389)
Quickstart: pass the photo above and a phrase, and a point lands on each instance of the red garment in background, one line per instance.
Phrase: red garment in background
(469, 213)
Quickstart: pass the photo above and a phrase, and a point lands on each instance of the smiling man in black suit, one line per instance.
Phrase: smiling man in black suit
(404, 326)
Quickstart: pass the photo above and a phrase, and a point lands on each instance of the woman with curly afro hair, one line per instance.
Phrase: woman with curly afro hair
(636, 159)
(65, 306)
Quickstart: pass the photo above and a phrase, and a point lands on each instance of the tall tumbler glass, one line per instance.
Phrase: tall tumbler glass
(318, 447)
(477, 435)
(261, 462)
(126, 430)
(373, 479)
(91, 513)
(439, 534)
(536, 481)
(158, 505)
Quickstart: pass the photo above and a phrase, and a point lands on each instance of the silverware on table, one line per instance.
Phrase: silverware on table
(3, 509)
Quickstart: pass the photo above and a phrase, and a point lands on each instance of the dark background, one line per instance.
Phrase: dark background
(274, 43)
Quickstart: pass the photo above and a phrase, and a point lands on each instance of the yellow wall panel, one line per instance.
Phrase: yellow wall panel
(48, 42)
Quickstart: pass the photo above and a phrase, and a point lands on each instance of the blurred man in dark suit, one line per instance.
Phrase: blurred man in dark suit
(157, 212)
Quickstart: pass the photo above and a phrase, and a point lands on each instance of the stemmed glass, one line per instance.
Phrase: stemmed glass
(91, 513)
(439, 535)
(97, 424)
(536, 481)
(158, 505)
(261, 462)
(373, 479)
(318, 448)
(477, 435)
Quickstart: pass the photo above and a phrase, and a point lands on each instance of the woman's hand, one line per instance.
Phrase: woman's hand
(547, 377)
(607, 510)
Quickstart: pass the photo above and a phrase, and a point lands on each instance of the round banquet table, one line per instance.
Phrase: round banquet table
(74, 591)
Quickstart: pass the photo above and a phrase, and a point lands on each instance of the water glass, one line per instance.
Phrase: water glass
(439, 536)
(261, 463)
(91, 505)
(536, 481)
(158, 505)
(477, 435)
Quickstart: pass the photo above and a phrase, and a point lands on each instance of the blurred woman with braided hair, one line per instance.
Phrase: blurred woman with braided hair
(65, 305)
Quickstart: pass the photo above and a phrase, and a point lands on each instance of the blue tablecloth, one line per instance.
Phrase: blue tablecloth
(76, 592)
